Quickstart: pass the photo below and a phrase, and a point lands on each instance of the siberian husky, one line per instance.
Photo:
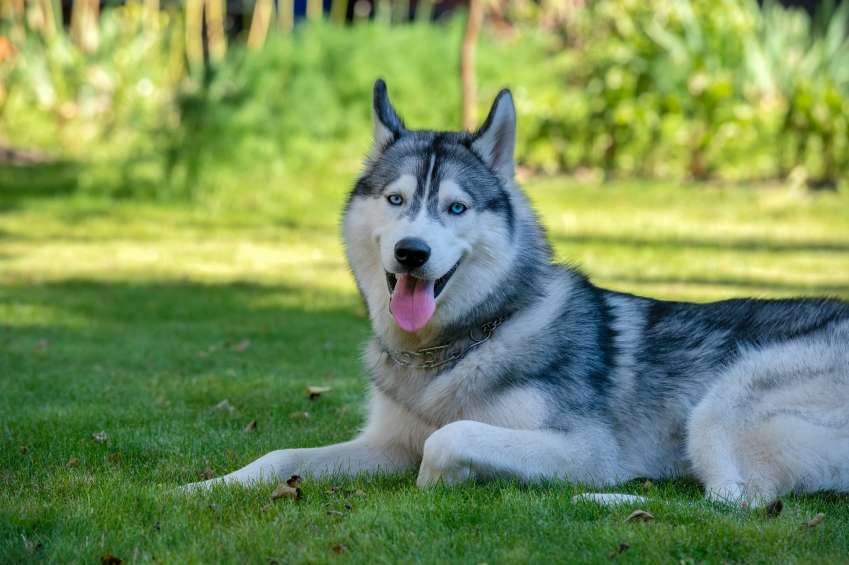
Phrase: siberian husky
(490, 360)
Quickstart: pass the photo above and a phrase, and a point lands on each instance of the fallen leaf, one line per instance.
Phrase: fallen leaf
(242, 346)
(110, 560)
(815, 521)
(316, 391)
(285, 491)
(358, 492)
(647, 484)
(774, 508)
(299, 415)
(251, 427)
(23, 449)
(624, 546)
(115, 458)
(294, 481)
(99, 437)
(334, 513)
(207, 474)
(611, 555)
(230, 453)
(639, 516)
(339, 548)
(43, 344)
(72, 463)
(224, 405)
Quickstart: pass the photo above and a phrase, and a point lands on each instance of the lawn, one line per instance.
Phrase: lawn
(136, 320)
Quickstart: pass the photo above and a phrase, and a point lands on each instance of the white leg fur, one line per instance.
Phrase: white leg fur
(467, 450)
(391, 441)
(777, 421)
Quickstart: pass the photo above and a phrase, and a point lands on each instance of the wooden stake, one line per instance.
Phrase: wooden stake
(259, 25)
(315, 9)
(215, 29)
(467, 64)
(338, 11)
(286, 15)
(194, 34)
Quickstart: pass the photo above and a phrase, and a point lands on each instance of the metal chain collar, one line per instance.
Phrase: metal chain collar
(429, 354)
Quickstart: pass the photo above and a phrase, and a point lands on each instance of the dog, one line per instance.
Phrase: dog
(489, 360)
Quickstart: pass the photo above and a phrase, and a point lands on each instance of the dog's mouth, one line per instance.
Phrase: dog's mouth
(413, 300)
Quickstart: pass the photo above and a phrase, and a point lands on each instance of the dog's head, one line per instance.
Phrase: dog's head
(430, 225)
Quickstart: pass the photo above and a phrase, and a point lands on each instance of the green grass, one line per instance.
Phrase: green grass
(124, 318)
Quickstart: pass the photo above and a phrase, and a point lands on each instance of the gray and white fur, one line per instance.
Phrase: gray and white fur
(750, 397)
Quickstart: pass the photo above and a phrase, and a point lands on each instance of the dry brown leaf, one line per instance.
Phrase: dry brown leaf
(43, 344)
(224, 405)
(294, 481)
(639, 516)
(115, 457)
(109, 559)
(242, 346)
(624, 546)
(207, 474)
(815, 521)
(299, 415)
(339, 548)
(774, 508)
(72, 463)
(230, 453)
(334, 513)
(23, 449)
(251, 427)
(285, 491)
(318, 390)
(99, 437)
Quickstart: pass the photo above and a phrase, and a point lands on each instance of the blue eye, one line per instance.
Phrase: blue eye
(457, 208)
(395, 199)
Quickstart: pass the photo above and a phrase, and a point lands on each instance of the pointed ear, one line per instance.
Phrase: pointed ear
(387, 125)
(496, 138)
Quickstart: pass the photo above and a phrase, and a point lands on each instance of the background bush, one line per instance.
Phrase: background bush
(655, 88)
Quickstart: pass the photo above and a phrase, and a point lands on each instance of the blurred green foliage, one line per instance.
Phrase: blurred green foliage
(655, 88)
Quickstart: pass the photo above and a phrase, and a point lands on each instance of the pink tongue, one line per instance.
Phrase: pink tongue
(412, 303)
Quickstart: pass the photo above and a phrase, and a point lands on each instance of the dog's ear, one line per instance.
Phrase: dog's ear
(387, 125)
(496, 138)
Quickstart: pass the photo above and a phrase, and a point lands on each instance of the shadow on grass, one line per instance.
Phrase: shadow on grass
(45, 180)
(677, 243)
(58, 332)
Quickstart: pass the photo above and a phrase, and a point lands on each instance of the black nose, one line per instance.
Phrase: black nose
(412, 252)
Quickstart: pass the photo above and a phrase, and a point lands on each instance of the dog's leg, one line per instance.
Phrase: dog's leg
(467, 450)
(391, 441)
(350, 457)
